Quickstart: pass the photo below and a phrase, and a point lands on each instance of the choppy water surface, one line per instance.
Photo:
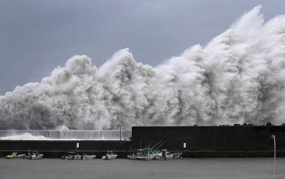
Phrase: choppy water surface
(261, 168)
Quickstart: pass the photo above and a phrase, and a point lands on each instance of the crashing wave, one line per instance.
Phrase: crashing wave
(239, 77)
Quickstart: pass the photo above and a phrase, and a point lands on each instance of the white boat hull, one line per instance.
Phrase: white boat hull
(168, 157)
(132, 157)
(88, 157)
(76, 157)
(144, 157)
(109, 157)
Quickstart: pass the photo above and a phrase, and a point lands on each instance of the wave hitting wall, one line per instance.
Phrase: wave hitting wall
(239, 77)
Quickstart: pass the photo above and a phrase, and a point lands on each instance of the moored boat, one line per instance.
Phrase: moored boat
(71, 156)
(177, 155)
(14, 155)
(145, 154)
(135, 153)
(164, 154)
(109, 155)
(148, 153)
(88, 157)
(132, 156)
(34, 155)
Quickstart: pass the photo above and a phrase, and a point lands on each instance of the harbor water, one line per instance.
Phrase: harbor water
(230, 168)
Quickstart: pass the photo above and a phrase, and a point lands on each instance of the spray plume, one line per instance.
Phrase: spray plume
(239, 77)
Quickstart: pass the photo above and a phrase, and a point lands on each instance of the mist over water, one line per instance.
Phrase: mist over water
(239, 77)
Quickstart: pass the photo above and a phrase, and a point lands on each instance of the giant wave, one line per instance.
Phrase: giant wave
(239, 77)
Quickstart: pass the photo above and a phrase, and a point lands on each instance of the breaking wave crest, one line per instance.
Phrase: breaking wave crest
(239, 77)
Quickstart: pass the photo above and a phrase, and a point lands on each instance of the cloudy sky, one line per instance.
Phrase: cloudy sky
(38, 35)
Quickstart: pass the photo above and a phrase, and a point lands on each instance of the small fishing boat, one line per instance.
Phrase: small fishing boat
(132, 156)
(34, 155)
(135, 153)
(164, 154)
(22, 156)
(110, 155)
(72, 156)
(148, 153)
(88, 157)
(145, 154)
(177, 155)
(145, 157)
(14, 155)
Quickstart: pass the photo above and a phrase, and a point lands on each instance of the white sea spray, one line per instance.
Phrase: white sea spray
(239, 77)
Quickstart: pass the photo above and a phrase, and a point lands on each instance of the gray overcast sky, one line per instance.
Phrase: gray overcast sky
(38, 35)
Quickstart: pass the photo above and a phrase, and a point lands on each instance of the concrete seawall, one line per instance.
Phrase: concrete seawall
(194, 141)
(209, 138)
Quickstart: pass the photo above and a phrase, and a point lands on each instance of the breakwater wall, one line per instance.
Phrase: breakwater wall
(194, 141)
(219, 138)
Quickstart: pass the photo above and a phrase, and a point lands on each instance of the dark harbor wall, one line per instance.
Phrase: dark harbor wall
(214, 141)
(195, 141)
